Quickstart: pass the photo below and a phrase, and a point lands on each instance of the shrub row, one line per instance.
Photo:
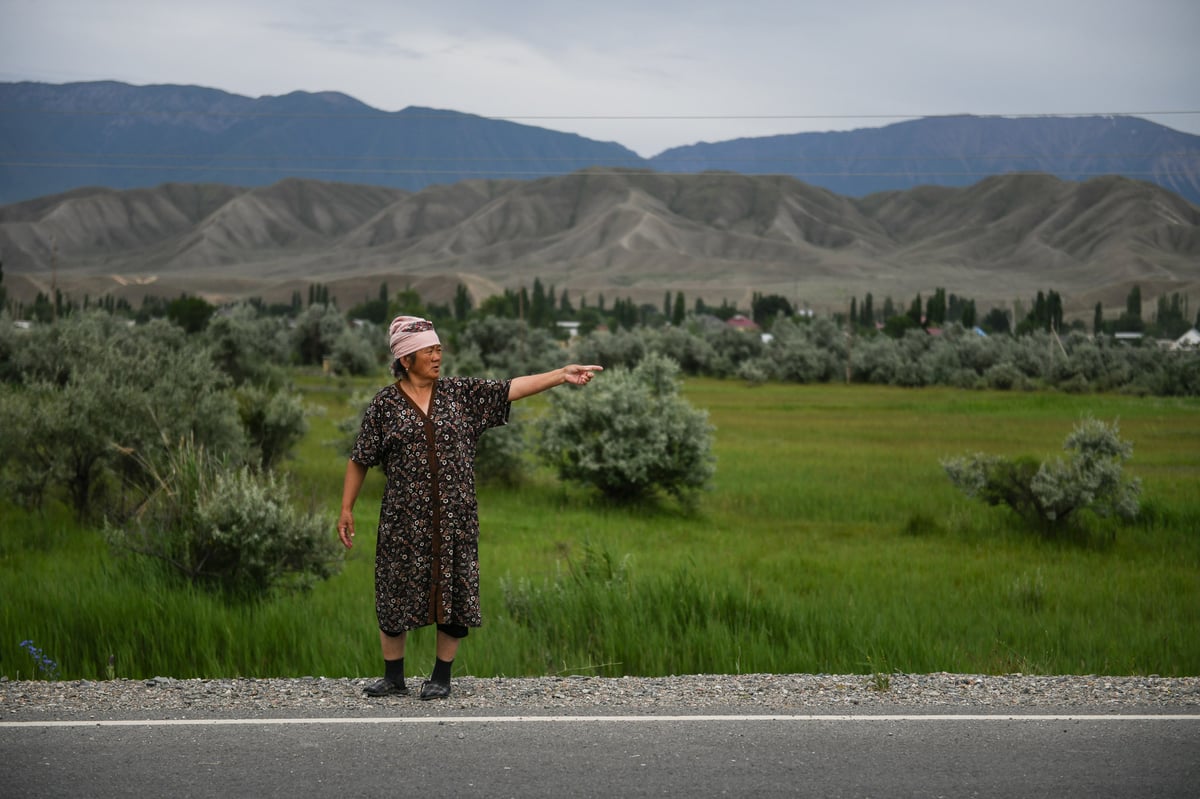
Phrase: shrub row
(819, 351)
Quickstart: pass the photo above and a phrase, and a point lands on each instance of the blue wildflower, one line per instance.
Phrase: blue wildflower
(46, 665)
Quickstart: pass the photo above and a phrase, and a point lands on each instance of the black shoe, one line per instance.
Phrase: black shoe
(385, 687)
(435, 690)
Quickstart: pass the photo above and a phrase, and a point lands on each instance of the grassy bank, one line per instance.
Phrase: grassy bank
(831, 542)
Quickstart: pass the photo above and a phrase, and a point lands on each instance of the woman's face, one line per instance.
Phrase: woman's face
(424, 364)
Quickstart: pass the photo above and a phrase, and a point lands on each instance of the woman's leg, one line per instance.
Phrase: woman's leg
(392, 683)
(447, 646)
(438, 684)
(392, 645)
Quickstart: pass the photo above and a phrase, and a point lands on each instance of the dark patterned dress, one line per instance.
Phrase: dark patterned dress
(427, 554)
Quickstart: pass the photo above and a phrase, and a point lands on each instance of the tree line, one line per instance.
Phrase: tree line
(936, 339)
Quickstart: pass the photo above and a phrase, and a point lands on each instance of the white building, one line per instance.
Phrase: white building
(1188, 341)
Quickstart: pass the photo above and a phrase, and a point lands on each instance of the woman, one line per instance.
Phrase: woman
(422, 430)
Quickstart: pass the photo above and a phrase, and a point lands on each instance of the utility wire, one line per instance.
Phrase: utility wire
(435, 114)
(614, 159)
(530, 173)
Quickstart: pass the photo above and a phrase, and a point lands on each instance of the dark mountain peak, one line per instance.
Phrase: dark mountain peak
(113, 134)
(426, 111)
(959, 151)
(314, 103)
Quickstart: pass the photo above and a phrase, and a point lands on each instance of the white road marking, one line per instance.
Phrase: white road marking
(916, 717)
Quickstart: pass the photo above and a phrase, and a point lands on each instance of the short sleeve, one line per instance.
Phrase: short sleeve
(367, 445)
(489, 403)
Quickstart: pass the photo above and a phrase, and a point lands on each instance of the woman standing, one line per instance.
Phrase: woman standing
(422, 431)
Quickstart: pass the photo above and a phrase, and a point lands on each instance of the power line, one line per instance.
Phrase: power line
(1071, 114)
(616, 159)
(403, 115)
(531, 173)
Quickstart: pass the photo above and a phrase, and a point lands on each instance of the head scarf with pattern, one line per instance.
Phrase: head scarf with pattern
(407, 334)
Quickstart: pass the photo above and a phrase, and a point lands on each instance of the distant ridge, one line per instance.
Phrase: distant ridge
(59, 137)
(635, 233)
(959, 151)
(55, 138)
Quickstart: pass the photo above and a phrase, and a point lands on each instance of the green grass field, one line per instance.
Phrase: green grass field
(831, 541)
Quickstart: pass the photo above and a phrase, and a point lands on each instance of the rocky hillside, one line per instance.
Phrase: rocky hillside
(632, 234)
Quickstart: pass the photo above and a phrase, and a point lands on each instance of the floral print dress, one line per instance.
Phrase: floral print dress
(427, 553)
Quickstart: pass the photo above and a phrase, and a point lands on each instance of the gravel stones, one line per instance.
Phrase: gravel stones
(165, 697)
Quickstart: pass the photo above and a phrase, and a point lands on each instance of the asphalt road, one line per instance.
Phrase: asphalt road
(1075, 754)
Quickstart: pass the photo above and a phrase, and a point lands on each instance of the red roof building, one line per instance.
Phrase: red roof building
(741, 322)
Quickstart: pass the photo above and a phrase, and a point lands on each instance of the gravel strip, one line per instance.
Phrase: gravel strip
(164, 697)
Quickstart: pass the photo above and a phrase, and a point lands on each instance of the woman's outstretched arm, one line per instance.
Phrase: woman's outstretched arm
(528, 385)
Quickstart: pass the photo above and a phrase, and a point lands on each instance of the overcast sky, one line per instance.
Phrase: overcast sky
(649, 74)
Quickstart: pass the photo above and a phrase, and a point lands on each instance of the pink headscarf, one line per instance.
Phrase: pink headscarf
(407, 334)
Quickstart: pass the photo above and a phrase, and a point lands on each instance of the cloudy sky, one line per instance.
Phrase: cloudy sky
(649, 74)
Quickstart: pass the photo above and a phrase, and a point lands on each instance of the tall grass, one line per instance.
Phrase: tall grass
(830, 542)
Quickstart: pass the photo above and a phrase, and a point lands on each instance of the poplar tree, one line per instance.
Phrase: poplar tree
(680, 313)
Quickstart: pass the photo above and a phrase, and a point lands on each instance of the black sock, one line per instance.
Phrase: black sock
(441, 671)
(393, 670)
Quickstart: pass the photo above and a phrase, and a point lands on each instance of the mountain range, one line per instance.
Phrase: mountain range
(58, 137)
(958, 151)
(613, 232)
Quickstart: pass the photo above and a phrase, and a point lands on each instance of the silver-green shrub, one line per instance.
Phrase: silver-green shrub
(1052, 495)
(89, 388)
(731, 348)
(229, 528)
(807, 351)
(692, 352)
(623, 348)
(248, 347)
(316, 330)
(356, 351)
(1091, 476)
(876, 360)
(274, 422)
(630, 435)
(504, 348)
(1004, 376)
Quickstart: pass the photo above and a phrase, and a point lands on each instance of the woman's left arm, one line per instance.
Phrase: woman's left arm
(521, 387)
